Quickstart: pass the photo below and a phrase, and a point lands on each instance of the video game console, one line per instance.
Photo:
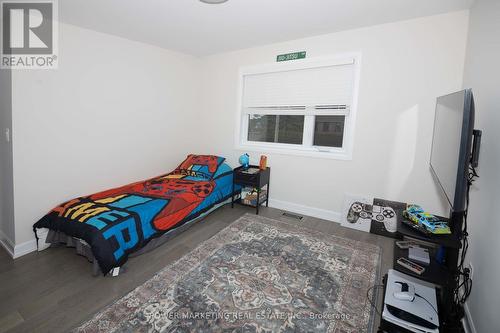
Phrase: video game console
(410, 303)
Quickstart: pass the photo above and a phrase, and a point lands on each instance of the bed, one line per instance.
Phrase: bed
(115, 224)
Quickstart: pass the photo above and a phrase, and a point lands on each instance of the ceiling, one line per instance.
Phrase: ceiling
(196, 28)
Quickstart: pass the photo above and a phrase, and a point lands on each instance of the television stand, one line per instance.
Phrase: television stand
(442, 275)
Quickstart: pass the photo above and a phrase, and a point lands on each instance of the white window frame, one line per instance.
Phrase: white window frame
(306, 149)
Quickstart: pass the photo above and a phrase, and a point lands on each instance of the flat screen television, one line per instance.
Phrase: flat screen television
(452, 146)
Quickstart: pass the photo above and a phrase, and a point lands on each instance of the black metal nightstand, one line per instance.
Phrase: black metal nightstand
(257, 180)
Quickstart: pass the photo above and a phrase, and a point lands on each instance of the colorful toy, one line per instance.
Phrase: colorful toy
(424, 221)
(263, 162)
(244, 161)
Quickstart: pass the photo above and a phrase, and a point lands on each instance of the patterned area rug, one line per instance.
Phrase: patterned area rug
(256, 275)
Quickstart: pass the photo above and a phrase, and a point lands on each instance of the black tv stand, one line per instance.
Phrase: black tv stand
(442, 275)
(450, 318)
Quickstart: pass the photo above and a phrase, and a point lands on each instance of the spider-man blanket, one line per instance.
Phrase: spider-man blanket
(120, 221)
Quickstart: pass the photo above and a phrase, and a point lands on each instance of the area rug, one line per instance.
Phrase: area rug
(256, 275)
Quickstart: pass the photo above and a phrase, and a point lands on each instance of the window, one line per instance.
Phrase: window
(276, 128)
(329, 131)
(304, 107)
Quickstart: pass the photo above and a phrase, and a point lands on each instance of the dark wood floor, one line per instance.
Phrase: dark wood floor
(54, 291)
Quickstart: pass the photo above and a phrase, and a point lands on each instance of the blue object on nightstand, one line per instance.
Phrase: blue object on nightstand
(244, 160)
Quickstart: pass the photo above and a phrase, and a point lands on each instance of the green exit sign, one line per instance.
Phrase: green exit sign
(291, 56)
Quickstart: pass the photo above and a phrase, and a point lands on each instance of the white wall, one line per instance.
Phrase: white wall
(7, 236)
(117, 111)
(405, 66)
(482, 73)
(114, 112)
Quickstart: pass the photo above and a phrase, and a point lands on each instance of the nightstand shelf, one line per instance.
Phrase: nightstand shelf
(240, 202)
(258, 180)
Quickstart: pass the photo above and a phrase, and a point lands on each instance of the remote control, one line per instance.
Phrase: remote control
(411, 265)
(404, 245)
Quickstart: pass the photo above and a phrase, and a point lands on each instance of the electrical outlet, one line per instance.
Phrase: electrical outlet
(7, 134)
(471, 268)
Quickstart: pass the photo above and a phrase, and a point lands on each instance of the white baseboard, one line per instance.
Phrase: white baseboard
(19, 250)
(467, 321)
(7, 243)
(306, 210)
(24, 248)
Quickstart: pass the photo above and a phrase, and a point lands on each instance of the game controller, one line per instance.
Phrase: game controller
(200, 189)
(203, 190)
(383, 214)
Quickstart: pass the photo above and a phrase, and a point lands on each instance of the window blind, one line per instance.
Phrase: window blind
(328, 87)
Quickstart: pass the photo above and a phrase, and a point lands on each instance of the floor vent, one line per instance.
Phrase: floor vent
(292, 216)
